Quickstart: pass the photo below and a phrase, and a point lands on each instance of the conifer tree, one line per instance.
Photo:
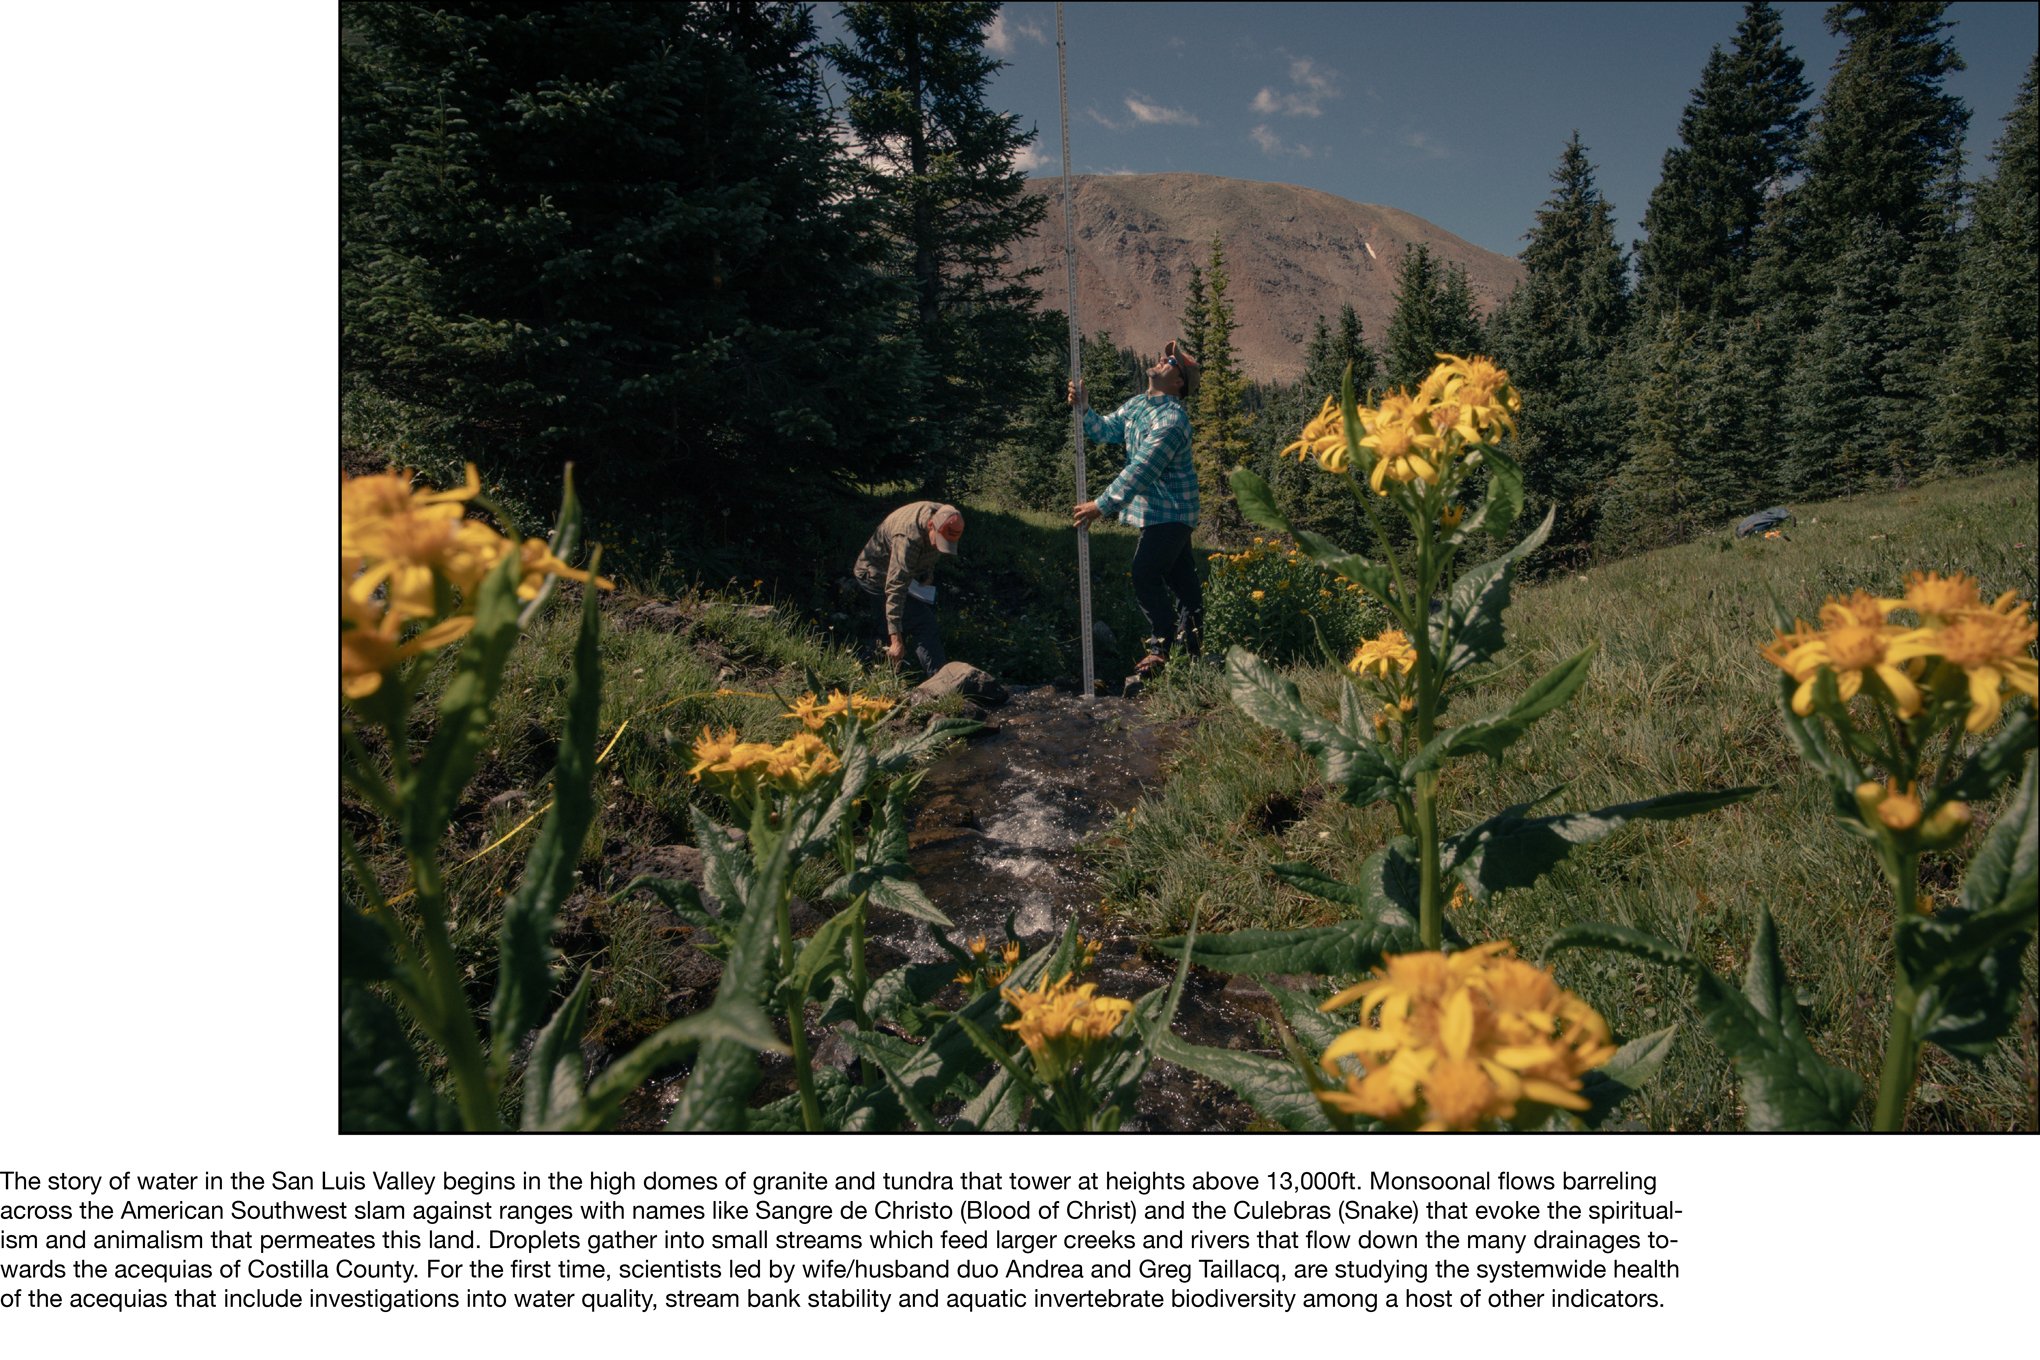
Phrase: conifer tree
(1459, 329)
(1739, 139)
(1886, 147)
(1562, 335)
(1987, 402)
(1330, 352)
(618, 234)
(1413, 326)
(1219, 425)
(942, 174)
(1834, 428)
(1194, 308)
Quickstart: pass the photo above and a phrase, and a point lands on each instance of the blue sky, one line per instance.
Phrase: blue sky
(1455, 112)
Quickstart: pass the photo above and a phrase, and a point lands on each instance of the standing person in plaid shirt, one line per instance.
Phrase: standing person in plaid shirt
(1157, 494)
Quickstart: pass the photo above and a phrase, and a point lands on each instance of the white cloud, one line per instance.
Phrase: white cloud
(1145, 112)
(1421, 141)
(1310, 85)
(999, 39)
(1272, 145)
(1102, 121)
(1031, 158)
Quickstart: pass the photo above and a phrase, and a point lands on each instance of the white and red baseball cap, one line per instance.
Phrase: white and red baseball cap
(945, 527)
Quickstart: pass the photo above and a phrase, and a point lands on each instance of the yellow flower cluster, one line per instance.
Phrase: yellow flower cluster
(1059, 1022)
(1386, 651)
(1461, 1041)
(1992, 644)
(400, 545)
(1412, 436)
(792, 765)
(816, 714)
(982, 969)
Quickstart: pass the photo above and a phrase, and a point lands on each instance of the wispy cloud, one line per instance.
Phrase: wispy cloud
(1031, 158)
(1145, 112)
(1423, 142)
(1272, 145)
(1000, 38)
(1310, 85)
(1102, 121)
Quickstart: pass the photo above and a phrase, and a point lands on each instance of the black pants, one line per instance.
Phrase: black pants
(923, 637)
(1163, 567)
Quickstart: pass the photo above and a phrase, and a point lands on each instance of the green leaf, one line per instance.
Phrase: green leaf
(812, 820)
(1504, 502)
(716, 1094)
(1271, 1085)
(1313, 1027)
(364, 948)
(552, 1081)
(821, 955)
(381, 1087)
(524, 977)
(1385, 924)
(1622, 1076)
(1510, 850)
(1468, 630)
(1963, 962)
(685, 901)
(895, 997)
(939, 733)
(1372, 577)
(1257, 502)
(1492, 736)
(944, 1063)
(732, 1022)
(1992, 765)
(1358, 769)
(1785, 1084)
(873, 1053)
(834, 1092)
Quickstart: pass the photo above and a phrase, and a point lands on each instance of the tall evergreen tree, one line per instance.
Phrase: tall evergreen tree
(1887, 145)
(1459, 328)
(1219, 425)
(1413, 326)
(617, 234)
(1834, 426)
(1739, 140)
(943, 176)
(1194, 308)
(1987, 389)
(1562, 335)
(1329, 354)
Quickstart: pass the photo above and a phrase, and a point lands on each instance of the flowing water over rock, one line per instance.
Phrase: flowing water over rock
(997, 837)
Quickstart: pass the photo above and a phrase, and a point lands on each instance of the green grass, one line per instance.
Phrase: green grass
(1678, 699)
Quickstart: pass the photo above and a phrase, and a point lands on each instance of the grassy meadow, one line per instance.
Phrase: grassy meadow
(1677, 698)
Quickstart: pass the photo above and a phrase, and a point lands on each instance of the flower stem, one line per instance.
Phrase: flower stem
(454, 1027)
(796, 1026)
(1430, 913)
(1901, 1049)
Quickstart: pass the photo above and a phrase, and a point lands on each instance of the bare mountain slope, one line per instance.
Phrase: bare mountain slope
(1291, 253)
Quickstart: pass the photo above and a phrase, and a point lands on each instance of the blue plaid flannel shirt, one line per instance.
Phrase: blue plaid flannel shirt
(1159, 482)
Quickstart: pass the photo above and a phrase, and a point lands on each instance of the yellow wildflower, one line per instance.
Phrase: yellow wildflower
(1451, 516)
(1324, 439)
(1462, 1041)
(1483, 399)
(1058, 1022)
(1010, 951)
(979, 947)
(1378, 654)
(800, 760)
(1937, 598)
(1258, 595)
(1896, 808)
(1853, 641)
(539, 563)
(371, 642)
(1994, 650)
(1405, 447)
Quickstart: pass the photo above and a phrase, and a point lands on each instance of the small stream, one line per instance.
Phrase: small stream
(997, 835)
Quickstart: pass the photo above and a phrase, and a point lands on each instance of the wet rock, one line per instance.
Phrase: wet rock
(661, 616)
(660, 861)
(946, 810)
(960, 677)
